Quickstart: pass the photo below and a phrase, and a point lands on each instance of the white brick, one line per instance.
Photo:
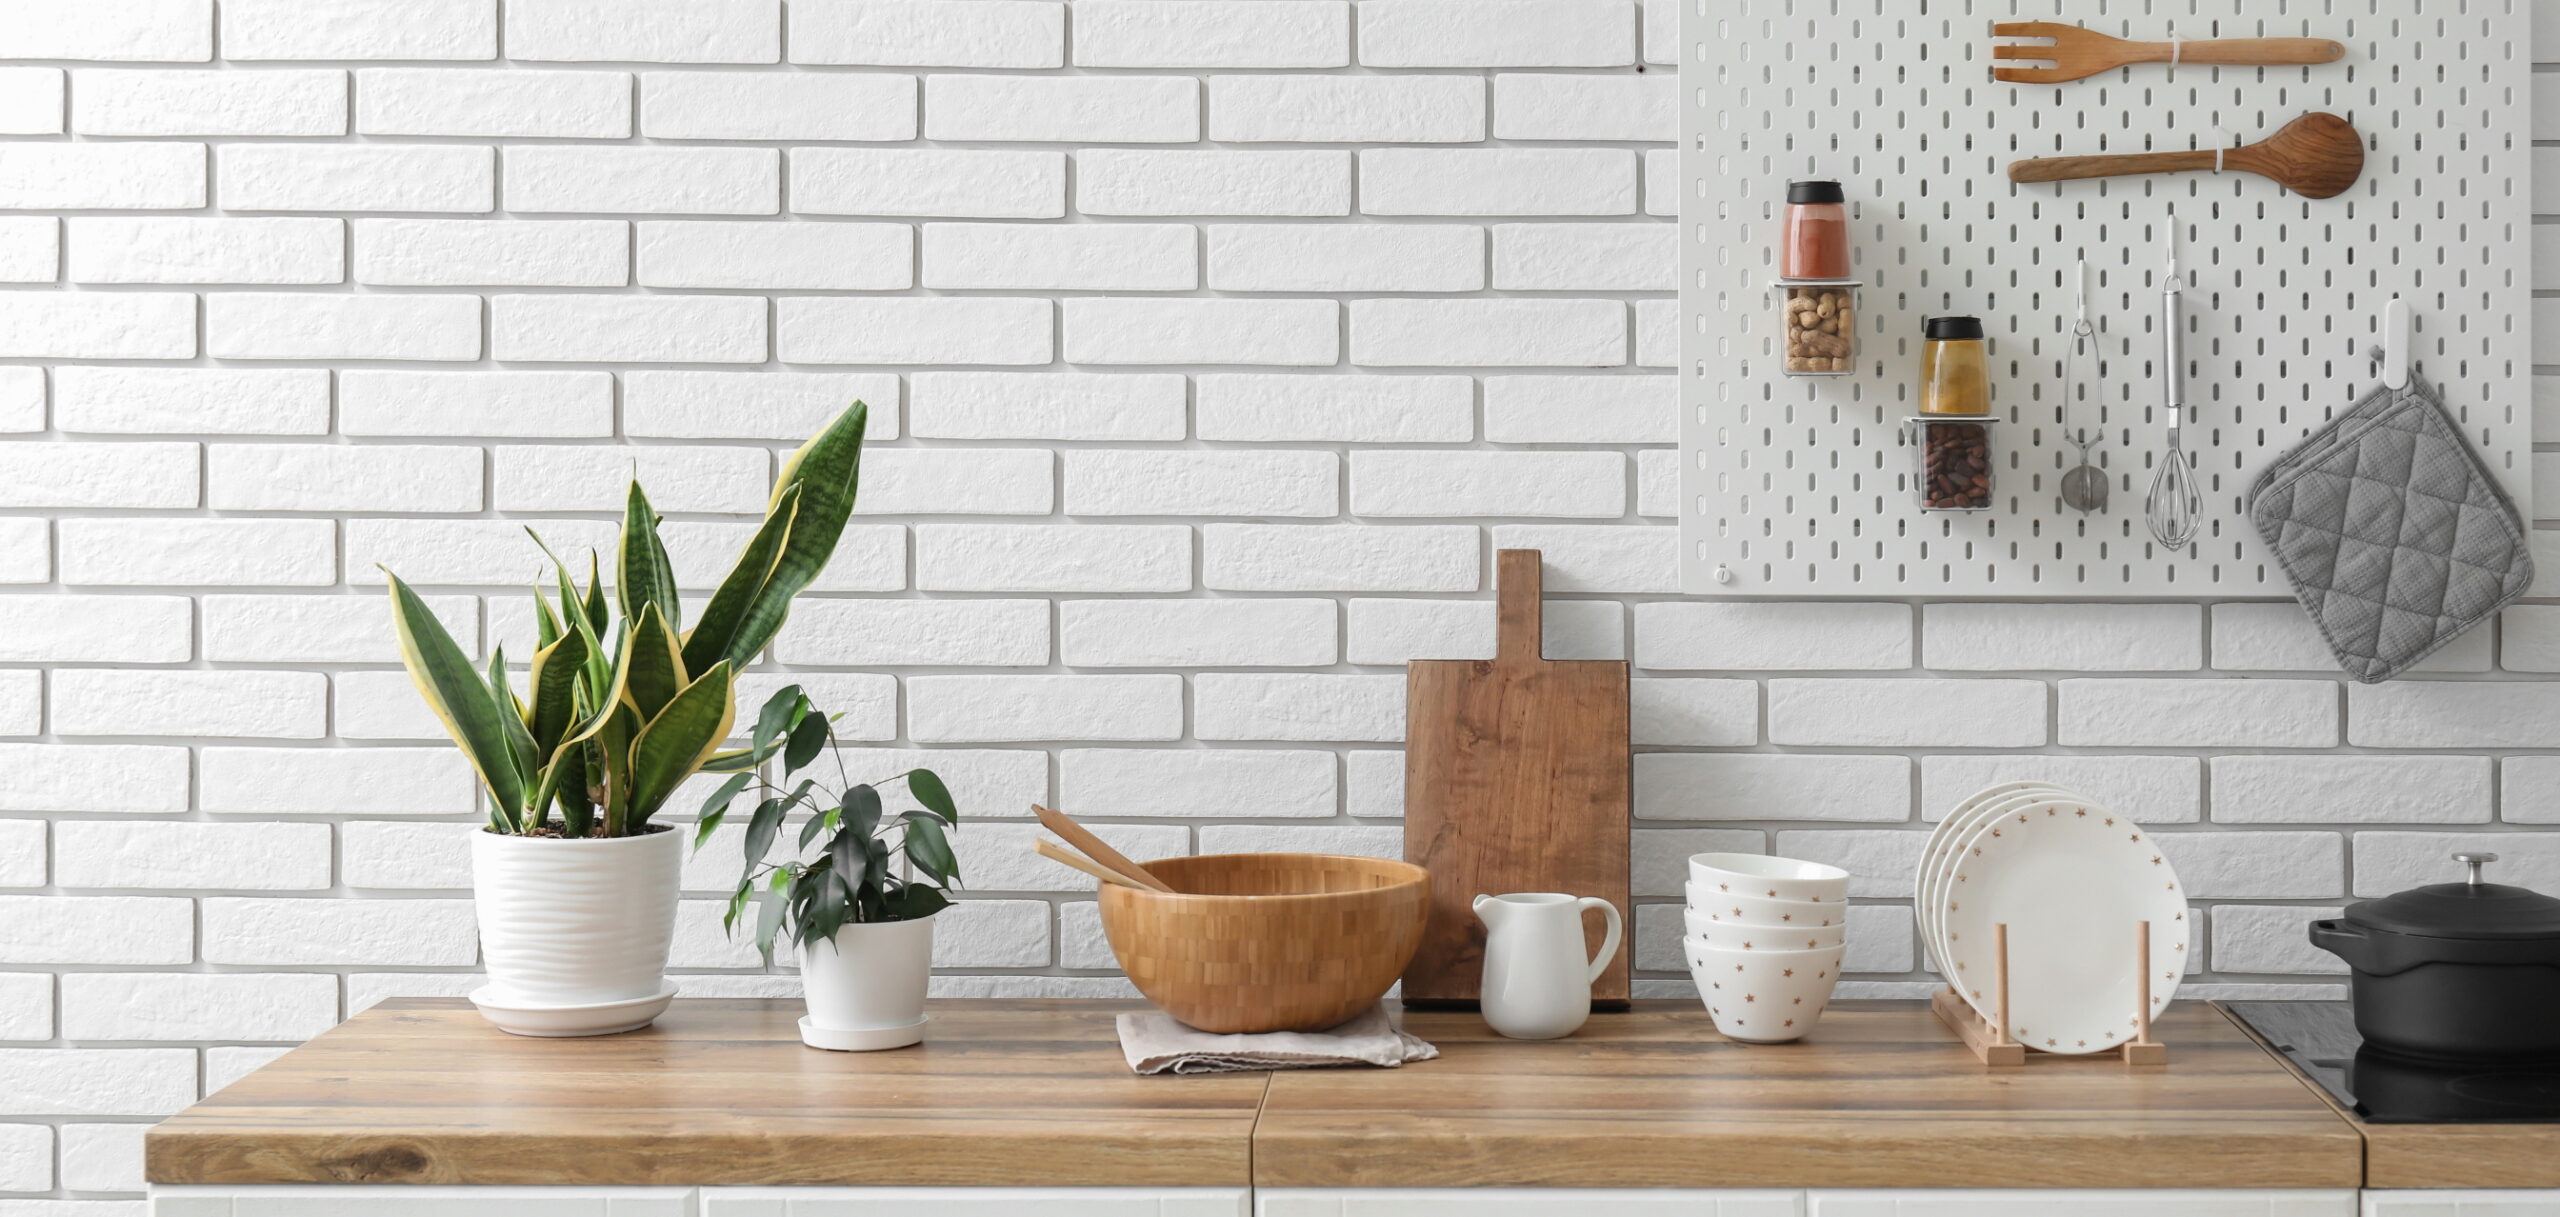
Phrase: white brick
(2257, 865)
(385, 706)
(1586, 107)
(1662, 854)
(1145, 482)
(1581, 410)
(349, 177)
(2148, 789)
(1336, 409)
(98, 325)
(1203, 782)
(154, 854)
(548, 253)
(172, 30)
(30, 252)
(1152, 182)
(868, 558)
(985, 783)
(177, 552)
(2389, 862)
(1130, 257)
(562, 477)
(1411, 483)
(1346, 109)
(1301, 838)
(219, 401)
(1297, 706)
(122, 778)
(21, 703)
(280, 325)
(776, 106)
(163, 102)
(992, 934)
(26, 1157)
(2360, 789)
(2065, 637)
(393, 856)
(1751, 786)
(1346, 257)
(1567, 333)
(1497, 34)
(382, 402)
(23, 849)
(964, 709)
(864, 704)
(1907, 713)
(930, 33)
(1053, 557)
(954, 329)
(335, 781)
(30, 101)
(1609, 558)
(929, 182)
(332, 477)
(2199, 713)
(359, 29)
(427, 552)
(480, 103)
(2260, 938)
(1585, 257)
(137, 177)
(1196, 633)
(1662, 182)
(1342, 558)
(596, 329)
(287, 932)
(1695, 713)
(1140, 330)
(1879, 861)
(26, 550)
(1498, 181)
(762, 254)
(885, 633)
(2529, 790)
(96, 1082)
(685, 181)
(1071, 109)
(97, 475)
(1212, 34)
(1373, 782)
(2279, 637)
(754, 405)
(318, 629)
(2444, 714)
(957, 481)
(1661, 31)
(106, 1157)
(94, 929)
(1657, 333)
(650, 31)
(1046, 405)
(275, 705)
(1385, 631)
(22, 395)
(1583, 629)
(2530, 638)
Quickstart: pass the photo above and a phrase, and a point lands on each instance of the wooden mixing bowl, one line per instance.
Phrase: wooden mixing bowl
(1268, 942)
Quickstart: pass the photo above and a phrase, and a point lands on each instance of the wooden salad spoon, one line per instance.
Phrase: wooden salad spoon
(1078, 861)
(1083, 839)
(2316, 156)
(2078, 52)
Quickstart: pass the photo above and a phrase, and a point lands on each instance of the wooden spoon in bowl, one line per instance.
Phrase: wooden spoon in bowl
(1083, 839)
(2316, 156)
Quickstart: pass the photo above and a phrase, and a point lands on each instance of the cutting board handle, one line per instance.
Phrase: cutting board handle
(1517, 590)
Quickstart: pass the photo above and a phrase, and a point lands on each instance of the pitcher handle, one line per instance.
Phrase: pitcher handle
(1609, 943)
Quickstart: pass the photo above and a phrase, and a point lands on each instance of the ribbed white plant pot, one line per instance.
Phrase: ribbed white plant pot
(574, 932)
(865, 986)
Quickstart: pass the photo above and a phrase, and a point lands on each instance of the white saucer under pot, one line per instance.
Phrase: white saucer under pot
(870, 1039)
(517, 1017)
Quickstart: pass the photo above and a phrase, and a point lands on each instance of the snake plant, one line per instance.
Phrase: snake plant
(624, 703)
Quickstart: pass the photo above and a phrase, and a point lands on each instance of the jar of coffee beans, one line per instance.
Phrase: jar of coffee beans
(1820, 327)
(1954, 457)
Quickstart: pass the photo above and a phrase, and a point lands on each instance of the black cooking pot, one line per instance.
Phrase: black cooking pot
(2454, 971)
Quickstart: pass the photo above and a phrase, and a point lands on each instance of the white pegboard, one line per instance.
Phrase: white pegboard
(1802, 486)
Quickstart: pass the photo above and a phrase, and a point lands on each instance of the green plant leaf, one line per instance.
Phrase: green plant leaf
(915, 902)
(656, 668)
(511, 719)
(816, 491)
(777, 715)
(735, 598)
(466, 707)
(927, 787)
(645, 577)
(929, 849)
(716, 808)
(807, 740)
(554, 688)
(762, 827)
(673, 745)
(861, 807)
(769, 909)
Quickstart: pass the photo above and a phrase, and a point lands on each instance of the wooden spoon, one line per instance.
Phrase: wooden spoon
(2077, 52)
(1095, 869)
(1082, 838)
(2316, 156)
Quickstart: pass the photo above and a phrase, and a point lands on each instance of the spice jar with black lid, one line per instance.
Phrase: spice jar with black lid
(1951, 436)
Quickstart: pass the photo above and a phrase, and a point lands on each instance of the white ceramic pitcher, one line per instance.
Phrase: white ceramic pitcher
(1537, 985)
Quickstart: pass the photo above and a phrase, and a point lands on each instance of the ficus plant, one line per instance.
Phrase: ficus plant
(873, 867)
(624, 702)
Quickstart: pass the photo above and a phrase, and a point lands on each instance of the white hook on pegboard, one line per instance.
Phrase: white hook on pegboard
(2395, 343)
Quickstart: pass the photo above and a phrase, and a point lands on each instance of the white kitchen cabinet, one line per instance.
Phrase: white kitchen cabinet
(1523, 1202)
(2041, 1202)
(402, 1200)
(976, 1202)
(2537, 1203)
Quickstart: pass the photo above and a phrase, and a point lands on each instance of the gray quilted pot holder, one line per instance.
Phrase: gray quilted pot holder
(2397, 538)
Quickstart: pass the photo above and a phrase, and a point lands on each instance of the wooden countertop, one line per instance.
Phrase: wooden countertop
(1035, 1092)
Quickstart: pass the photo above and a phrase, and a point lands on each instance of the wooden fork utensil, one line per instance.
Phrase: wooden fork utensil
(2316, 156)
(2077, 53)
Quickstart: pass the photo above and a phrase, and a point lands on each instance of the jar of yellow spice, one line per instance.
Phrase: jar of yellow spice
(1951, 436)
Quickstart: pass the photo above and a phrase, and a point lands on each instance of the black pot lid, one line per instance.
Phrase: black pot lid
(2472, 909)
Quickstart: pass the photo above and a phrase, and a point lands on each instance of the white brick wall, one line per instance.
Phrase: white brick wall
(1212, 346)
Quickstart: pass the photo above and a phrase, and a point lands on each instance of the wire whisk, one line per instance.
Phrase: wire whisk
(2174, 503)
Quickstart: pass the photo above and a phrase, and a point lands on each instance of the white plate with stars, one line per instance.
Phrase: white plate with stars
(2072, 883)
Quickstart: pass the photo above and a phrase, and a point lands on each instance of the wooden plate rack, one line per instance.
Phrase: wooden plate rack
(1990, 1042)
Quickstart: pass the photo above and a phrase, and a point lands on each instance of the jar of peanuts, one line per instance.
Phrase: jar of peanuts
(1819, 335)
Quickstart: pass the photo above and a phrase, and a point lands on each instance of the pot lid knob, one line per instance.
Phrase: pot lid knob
(2475, 862)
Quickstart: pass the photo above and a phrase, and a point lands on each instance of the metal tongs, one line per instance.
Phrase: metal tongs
(2084, 487)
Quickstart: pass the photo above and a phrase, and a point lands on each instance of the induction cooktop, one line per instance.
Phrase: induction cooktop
(2320, 1037)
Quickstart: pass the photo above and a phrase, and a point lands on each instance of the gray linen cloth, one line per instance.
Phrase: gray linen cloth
(1155, 1043)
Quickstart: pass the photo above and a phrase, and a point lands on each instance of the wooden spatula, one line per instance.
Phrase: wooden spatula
(2077, 53)
(2316, 156)
(1082, 838)
(1078, 861)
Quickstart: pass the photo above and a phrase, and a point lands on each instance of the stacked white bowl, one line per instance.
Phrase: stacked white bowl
(1764, 942)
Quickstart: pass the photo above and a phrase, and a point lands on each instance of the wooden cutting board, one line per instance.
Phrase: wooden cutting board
(1515, 780)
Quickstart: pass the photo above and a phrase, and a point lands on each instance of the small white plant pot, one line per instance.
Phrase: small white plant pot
(574, 932)
(865, 987)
